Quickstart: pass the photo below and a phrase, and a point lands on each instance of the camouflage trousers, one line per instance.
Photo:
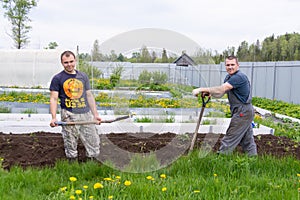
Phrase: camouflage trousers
(86, 133)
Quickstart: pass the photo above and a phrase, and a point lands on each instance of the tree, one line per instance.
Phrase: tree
(96, 55)
(145, 55)
(121, 58)
(91, 71)
(243, 51)
(153, 56)
(52, 45)
(203, 56)
(164, 56)
(17, 13)
(113, 56)
(229, 51)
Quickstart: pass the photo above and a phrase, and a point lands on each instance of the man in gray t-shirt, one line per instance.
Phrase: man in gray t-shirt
(236, 85)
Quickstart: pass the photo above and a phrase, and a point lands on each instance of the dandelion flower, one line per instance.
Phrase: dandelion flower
(164, 189)
(78, 192)
(110, 197)
(72, 197)
(127, 183)
(63, 189)
(107, 179)
(118, 177)
(73, 179)
(149, 178)
(98, 186)
(196, 191)
(298, 175)
(163, 176)
(91, 197)
(85, 187)
(215, 175)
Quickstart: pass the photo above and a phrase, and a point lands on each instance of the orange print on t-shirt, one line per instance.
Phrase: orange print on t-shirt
(73, 88)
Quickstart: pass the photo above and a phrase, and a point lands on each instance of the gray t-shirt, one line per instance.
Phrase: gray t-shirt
(240, 84)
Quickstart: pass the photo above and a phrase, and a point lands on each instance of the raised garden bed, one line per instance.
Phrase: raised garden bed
(45, 149)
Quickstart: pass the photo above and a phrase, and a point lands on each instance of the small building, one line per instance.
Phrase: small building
(184, 60)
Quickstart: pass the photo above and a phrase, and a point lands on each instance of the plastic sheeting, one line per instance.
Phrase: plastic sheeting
(28, 68)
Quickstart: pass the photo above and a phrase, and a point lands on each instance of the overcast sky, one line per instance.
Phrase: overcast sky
(213, 24)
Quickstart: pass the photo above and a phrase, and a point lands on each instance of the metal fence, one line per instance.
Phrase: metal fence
(272, 80)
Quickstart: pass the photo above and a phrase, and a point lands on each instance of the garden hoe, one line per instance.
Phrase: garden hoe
(60, 123)
(204, 102)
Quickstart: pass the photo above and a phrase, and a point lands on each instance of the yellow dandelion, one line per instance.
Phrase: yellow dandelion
(63, 189)
(73, 179)
(149, 177)
(196, 191)
(78, 192)
(163, 176)
(72, 197)
(215, 175)
(127, 183)
(98, 186)
(118, 177)
(110, 197)
(298, 175)
(164, 189)
(85, 187)
(107, 179)
(91, 197)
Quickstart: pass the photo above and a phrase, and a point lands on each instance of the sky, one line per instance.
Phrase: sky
(213, 24)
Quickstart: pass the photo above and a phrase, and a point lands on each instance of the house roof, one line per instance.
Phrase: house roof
(184, 60)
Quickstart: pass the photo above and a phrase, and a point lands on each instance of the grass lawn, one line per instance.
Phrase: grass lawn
(199, 175)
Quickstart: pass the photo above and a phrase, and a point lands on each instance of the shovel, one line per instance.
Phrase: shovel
(204, 102)
(60, 123)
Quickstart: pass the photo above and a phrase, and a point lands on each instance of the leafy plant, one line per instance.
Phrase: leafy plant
(4, 109)
(209, 121)
(277, 106)
(116, 75)
(144, 120)
(30, 111)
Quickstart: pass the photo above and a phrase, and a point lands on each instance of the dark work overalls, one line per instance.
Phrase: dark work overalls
(240, 128)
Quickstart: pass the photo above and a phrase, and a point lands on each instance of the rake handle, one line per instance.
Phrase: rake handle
(61, 123)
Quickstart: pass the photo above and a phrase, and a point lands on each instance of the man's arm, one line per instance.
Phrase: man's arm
(53, 107)
(92, 105)
(216, 92)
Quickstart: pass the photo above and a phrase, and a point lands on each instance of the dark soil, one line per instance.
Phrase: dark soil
(45, 149)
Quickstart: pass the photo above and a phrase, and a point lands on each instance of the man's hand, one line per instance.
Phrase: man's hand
(52, 123)
(98, 120)
(196, 91)
(203, 91)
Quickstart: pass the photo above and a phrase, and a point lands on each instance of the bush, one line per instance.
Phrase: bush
(103, 84)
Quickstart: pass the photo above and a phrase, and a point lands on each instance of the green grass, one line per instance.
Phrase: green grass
(196, 176)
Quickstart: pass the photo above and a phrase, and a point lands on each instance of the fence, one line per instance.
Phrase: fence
(273, 80)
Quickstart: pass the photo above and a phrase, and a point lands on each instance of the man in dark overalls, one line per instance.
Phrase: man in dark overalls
(237, 87)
